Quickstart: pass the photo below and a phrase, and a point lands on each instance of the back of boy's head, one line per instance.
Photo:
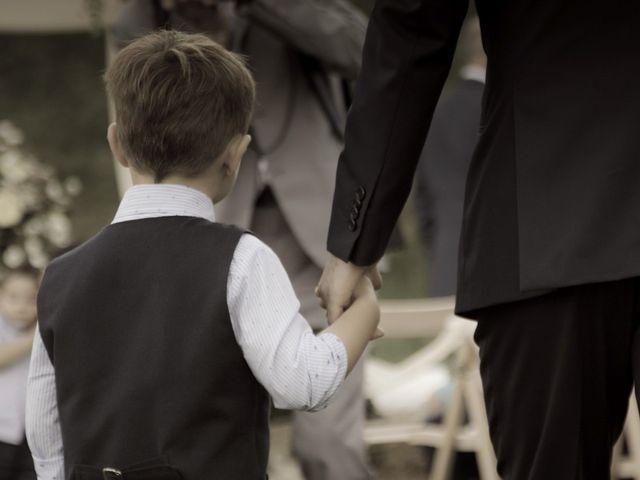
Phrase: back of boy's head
(179, 99)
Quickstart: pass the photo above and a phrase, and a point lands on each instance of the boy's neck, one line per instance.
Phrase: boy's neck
(202, 183)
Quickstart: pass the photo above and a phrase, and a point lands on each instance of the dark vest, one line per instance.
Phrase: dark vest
(148, 370)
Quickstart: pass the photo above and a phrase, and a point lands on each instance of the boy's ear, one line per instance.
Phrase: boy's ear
(236, 150)
(114, 144)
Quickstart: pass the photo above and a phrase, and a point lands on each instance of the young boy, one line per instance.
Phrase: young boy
(18, 289)
(161, 339)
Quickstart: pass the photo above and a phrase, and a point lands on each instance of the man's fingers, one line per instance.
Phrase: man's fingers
(322, 303)
(379, 333)
(321, 297)
(374, 275)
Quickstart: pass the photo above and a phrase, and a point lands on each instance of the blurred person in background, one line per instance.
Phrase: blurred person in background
(302, 54)
(18, 290)
(442, 169)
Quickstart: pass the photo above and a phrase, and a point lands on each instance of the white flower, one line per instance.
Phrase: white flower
(59, 229)
(18, 172)
(10, 134)
(33, 245)
(30, 196)
(35, 251)
(39, 261)
(11, 209)
(35, 226)
(8, 160)
(73, 186)
(55, 192)
(16, 168)
(14, 256)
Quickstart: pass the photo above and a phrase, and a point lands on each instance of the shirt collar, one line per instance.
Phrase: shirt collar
(162, 200)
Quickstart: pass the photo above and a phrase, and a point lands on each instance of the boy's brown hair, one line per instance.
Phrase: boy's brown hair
(179, 99)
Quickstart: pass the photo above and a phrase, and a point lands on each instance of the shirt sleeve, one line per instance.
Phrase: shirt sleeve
(42, 421)
(301, 371)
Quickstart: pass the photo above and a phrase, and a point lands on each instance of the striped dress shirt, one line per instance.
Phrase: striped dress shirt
(300, 370)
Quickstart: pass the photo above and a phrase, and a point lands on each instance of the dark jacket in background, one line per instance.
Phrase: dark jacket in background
(441, 178)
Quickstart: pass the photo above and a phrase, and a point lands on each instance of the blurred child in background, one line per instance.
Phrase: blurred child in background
(18, 290)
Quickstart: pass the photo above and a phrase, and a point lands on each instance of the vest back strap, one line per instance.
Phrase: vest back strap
(149, 470)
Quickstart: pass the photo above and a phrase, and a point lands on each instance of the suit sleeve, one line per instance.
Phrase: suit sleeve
(407, 56)
(330, 30)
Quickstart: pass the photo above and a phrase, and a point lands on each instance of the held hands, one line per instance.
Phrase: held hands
(365, 290)
(341, 283)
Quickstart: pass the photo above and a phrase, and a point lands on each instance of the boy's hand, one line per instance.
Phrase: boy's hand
(365, 290)
(338, 282)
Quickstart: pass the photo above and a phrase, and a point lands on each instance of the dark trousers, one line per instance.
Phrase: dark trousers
(557, 373)
(16, 462)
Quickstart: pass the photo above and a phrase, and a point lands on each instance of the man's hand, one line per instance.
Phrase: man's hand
(338, 284)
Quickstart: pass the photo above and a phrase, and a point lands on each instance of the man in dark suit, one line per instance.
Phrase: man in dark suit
(442, 169)
(550, 249)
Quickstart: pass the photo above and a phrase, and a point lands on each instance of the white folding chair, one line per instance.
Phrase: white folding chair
(385, 383)
(626, 464)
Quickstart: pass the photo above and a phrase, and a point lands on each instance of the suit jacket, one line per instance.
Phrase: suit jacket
(551, 195)
(300, 52)
(440, 181)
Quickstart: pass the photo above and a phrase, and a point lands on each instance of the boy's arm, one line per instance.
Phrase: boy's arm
(42, 421)
(299, 369)
(14, 351)
(356, 326)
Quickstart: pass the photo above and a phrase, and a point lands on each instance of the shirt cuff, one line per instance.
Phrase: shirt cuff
(340, 360)
(336, 345)
(49, 468)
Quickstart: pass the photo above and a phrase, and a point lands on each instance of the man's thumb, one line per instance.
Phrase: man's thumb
(374, 275)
